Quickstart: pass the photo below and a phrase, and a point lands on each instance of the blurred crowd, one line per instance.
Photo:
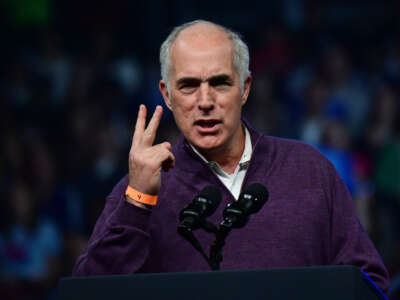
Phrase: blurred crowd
(67, 114)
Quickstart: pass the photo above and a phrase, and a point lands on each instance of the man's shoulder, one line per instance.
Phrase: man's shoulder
(286, 148)
(282, 148)
(298, 164)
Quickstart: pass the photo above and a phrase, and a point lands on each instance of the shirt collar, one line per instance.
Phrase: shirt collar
(244, 160)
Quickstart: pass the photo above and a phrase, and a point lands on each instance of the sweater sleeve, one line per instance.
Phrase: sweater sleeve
(119, 243)
(350, 244)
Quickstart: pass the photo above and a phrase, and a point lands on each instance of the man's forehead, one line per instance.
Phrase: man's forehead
(202, 35)
(202, 63)
(203, 30)
(202, 51)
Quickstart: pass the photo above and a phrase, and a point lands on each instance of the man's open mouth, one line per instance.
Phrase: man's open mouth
(207, 123)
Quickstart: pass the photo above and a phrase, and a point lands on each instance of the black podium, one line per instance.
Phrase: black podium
(328, 283)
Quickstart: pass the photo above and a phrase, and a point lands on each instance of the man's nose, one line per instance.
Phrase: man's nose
(205, 97)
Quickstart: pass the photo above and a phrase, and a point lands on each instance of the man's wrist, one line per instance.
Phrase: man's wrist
(140, 199)
(136, 203)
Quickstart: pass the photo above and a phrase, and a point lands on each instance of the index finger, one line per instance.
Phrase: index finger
(140, 124)
(151, 130)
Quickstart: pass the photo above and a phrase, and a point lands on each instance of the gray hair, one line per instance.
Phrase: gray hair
(241, 56)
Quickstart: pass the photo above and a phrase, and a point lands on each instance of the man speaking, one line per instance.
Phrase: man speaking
(308, 220)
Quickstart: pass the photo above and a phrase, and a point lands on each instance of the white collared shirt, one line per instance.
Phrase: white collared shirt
(233, 181)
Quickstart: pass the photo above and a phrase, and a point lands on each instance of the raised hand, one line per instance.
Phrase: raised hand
(146, 160)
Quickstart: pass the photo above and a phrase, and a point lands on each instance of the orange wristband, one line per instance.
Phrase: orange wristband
(141, 197)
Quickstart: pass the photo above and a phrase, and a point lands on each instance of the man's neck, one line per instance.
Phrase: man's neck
(229, 157)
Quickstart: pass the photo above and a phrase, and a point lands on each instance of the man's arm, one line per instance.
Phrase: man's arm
(120, 240)
(119, 243)
(350, 244)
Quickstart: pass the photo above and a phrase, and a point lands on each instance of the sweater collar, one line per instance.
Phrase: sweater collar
(183, 146)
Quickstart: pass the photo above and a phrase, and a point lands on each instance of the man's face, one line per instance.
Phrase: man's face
(205, 95)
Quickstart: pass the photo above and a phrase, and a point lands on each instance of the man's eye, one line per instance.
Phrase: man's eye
(186, 88)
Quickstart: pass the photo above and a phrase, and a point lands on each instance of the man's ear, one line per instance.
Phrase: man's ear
(164, 92)
(246, 89)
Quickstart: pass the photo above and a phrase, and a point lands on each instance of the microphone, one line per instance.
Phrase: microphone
(236, 215)
(250, 201)
(193, 216)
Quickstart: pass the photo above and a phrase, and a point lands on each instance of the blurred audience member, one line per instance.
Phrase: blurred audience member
(335, 145)
(387, 182)
(30, 247)
(383, 113)
(348, 99)
(266, 111)
(315, 101)
(274, 54)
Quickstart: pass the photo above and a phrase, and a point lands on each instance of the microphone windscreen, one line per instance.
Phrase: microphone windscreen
(213, 196)
(259, 192)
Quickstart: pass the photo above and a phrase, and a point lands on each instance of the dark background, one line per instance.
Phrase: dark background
(73, 74)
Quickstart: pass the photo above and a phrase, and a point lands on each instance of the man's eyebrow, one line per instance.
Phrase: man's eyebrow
(219, 78)
(188, 80)
(195, 80)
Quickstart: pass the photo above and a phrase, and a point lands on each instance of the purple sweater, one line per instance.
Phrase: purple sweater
(308, 220)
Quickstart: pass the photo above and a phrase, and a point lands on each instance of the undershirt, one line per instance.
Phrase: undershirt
(233, 181)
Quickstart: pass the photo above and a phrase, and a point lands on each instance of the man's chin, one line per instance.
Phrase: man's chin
(207, 146)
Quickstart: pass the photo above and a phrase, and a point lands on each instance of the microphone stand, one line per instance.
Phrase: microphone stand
(215, 258)
(235, 215)
(216, 248)
(187, 234)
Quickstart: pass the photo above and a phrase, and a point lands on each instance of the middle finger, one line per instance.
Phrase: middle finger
(151, 130)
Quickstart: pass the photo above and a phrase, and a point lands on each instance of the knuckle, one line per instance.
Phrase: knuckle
(135, 157)
(132, 155)
(149, 135)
